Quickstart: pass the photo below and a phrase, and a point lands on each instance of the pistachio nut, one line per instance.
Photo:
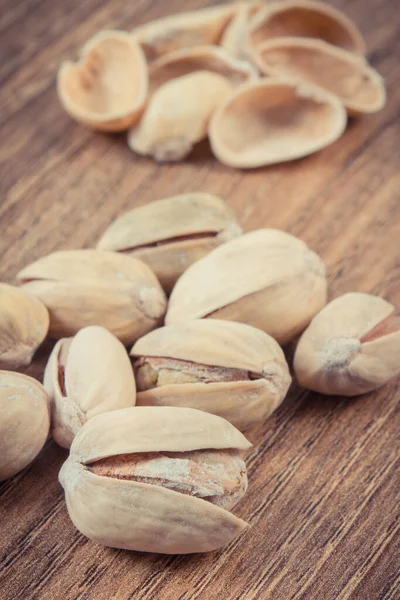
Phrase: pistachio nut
(171, 234)
(95, 287)
(24, 421)
(86, 375)
(265, 278)
(351, 347)
(24, 322)
(156, 480)
(225, 368)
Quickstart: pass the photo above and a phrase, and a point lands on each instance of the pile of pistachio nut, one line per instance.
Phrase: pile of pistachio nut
(266, 82)
(154, 436)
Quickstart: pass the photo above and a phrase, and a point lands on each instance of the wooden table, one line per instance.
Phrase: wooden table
(324, 472)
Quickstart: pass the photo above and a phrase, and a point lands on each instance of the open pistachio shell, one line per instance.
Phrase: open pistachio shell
(234, 36)
(351, 347)
(171, 234)
(226, 368)
(133, 475)
(275, 120)
(107, 88)
(307, 19)
(183, 30)
(265, 278)
(95, 287)
(24, 322)
(87, 375)
(349, 77)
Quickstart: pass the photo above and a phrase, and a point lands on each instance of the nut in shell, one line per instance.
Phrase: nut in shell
(24, 322)
(156, 480)
(266, 278)
(225, 368)
(96, 287)
(351, 347)
(171, 234)
(85, 376)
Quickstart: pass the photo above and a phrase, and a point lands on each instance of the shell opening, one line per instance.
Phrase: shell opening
(389, 325)
(179, 238)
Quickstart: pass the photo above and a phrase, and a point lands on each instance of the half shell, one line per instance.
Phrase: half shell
(107, 88)
(275, 120)
(234, 37)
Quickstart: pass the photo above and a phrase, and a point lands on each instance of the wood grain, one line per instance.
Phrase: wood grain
(324, 472)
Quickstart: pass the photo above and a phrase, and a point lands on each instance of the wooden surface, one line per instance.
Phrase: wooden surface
(323, 473)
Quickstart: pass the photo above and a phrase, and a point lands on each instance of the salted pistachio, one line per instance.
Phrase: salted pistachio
(85, 376)
(352, 79)
(235, 34)
(183, 30)
(171, 234)
(96, 287)
(351, 347)
(24, 322)
(24, 422)
(156, 479)
(265, 278)
(275, 120)
(107, 88)
(305, 19)
(225, 368)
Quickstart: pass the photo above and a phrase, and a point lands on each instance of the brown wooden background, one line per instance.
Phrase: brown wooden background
(324, 473)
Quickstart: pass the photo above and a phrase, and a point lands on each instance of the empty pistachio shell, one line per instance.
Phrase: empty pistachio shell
(171, 234)
(183, 30)
(307, 19)
(175, 120)
(275, 120)
(95, 287)
(351, 347)
(226, 368)
(234, 35)
(24, 322)
(358, 85)
(266, 278)
(107, 88)
(24, 421)
(85, 376)
(156, 480)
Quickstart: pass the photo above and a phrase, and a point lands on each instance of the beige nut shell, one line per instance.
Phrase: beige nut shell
(24, 421)
(140, 516)
(24, 322)
(265, 278)
(96, 376)
(222, 344)
(96, 287)
(337, 353)
(234, 36)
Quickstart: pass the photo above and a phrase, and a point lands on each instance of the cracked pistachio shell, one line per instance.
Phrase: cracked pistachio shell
(24, 421)
(95, 287)
(357, 84)
(351, 347)
(171, 234)
(87, 375)
(275, 120)
(107, 88)
(183, 30)
(250, 380)
(235, 34)
(265, 278)
(109, 502)
(24, 322)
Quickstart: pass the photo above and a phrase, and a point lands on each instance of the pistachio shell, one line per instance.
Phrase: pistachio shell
(24, 322)
(24, 422)
(85, 376)
(265, 278)
(107, 88)
(234, 36)
(358, 85)
(275, 120)
(170, 234)
(251, 381)
(351, 347)
(183, 30)
(95, 287)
